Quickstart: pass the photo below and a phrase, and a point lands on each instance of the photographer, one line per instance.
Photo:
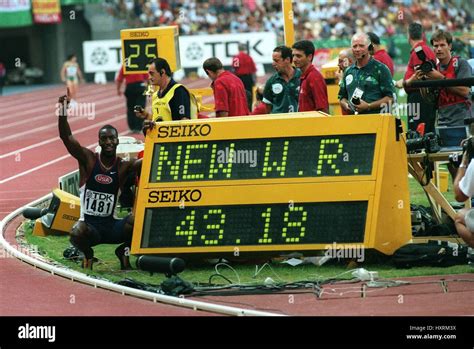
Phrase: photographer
(419, 54)
(454, 103)
(463, 190)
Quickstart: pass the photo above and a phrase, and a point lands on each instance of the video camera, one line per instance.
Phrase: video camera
(426, 66)
(429, 142)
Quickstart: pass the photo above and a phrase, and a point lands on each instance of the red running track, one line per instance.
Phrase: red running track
(32, 157)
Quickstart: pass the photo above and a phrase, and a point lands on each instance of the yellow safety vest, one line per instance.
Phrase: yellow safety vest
(161, 106)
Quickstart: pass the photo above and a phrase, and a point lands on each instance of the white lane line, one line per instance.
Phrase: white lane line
(21, 191)
(16, 199)
(15, 152)
(41, 104)
(88, 89)
(16, 104)
(90, 93)
(54, 124)
(50, 162)
(52, 108)
(34, 169)
(36, 145)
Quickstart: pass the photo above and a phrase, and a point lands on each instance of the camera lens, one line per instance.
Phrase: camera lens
(429, 142)
(426, 67)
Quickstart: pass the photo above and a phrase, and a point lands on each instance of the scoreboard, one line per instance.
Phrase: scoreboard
(272, 184)
(141, 45)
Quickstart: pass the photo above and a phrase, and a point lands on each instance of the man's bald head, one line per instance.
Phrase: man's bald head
(360, 47)
(361, 37)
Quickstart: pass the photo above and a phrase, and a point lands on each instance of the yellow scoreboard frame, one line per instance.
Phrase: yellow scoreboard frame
(274, 208)
(141, 45)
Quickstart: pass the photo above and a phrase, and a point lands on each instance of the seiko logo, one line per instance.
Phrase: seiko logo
(139, 34)
(103, 179)
(70, 218)
(184, 131)
(174, 196)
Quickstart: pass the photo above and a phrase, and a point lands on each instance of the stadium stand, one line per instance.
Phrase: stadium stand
(313, 19)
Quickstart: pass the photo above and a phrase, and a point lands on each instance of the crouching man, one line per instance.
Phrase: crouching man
(100, 178)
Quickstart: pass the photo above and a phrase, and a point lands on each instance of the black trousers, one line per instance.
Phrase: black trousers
(248, 82)
(427, 112)
(134, 95)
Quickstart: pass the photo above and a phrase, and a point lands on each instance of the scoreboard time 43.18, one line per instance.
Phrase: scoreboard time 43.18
(272, 184)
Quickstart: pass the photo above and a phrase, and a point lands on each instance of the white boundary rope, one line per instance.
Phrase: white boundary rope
(80, 277)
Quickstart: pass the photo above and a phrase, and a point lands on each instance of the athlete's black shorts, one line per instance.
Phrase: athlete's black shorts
(107, 230)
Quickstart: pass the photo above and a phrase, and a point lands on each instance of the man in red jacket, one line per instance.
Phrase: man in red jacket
(230, 98)
(313, 91)
(244, 67)
(378, 53)
(134, 89)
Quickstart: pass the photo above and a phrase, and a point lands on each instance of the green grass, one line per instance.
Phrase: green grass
(418, 196)
(53, 247)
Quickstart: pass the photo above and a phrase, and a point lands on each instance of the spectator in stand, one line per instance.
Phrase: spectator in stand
(282, 88)
(313, 91)
(134, 94)
(316, 19)
(426, 113)
(379, 53)
(230, 98)
(244, 67)
(260, 107)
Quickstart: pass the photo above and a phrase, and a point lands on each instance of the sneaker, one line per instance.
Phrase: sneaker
(123, 258)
